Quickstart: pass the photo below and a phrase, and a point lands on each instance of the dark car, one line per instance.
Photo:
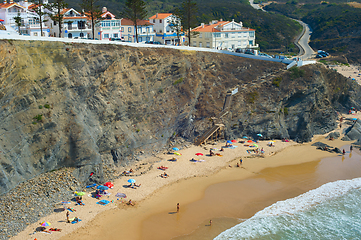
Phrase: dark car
(238, 50)
(319, 56)
(152, 42)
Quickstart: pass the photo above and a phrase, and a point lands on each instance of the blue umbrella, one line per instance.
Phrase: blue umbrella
(354, 119)
(101, 187)
(175, 149)
(229, 142)
(90, 186)
(245, 137)
(131, 180)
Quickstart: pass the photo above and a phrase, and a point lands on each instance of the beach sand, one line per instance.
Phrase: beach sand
(187, 185)
(351, 71)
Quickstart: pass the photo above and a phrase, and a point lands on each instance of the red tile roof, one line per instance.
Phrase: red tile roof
(160, 16)
(104, 15)
(8, 5)
(212, 28)
(32, 6)
(128, 22)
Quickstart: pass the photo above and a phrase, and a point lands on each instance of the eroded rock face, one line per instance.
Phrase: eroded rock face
(89, 106)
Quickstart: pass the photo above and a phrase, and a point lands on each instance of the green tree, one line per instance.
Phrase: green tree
(134, 10)
(92, 11)
(188, 14)
(175, 24)
(18, 22)
(57, 6)
(39, 10)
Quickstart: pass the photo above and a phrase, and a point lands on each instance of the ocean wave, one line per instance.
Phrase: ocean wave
(312, 212)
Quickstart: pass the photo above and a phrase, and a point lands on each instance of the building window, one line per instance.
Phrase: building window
(160, 31)
(208, 45)
(122, 29)
(200, 35)
(54, 22)
(129, 29)
(81, 34)
(226, 35)
(194, 44)
(160, 20)
(147, 39)
(70, 35)
(251, 43)
(106, 35)
(251, 34)
(233, 35)
(140, 39)
(153, 20)
(200, 44)
(115, 35)
(217, 35)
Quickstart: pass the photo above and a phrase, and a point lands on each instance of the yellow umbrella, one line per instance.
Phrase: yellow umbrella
(177, 153)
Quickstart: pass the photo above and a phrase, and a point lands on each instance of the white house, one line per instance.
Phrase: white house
(163, 28)
(109, 27)
(224, 35)
(145, 30)
(30, 20)
(75, 25)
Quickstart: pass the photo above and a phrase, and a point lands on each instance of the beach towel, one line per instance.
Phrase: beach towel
(103, 202)
(90, 186)
(79, 220)
(71, 209)
(233, 147)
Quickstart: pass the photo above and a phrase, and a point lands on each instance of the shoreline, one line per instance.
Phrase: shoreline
(153, 186)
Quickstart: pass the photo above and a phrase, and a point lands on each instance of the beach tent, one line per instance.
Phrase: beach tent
(102, 188)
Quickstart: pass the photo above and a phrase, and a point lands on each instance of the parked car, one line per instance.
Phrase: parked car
(117, 39)
(248, 51)
(264, 55)
(323, 53)
(153, 42)
(319, 56)
(239, 50)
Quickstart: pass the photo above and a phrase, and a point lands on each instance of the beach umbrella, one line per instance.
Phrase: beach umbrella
(79, 193)
(353, 79)
(354, 119)
(102, 188)
(177, 153)
(255, 145)
(175, 149)
(92, 185)
(249, 141)
(229, 141)
(121, 195)
(199, 154)
(45, 224)
(234, 141)
(109, 184)
(245, 137)
(259, 135)
(131, 180)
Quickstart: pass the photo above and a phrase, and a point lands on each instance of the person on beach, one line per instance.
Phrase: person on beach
(211, 153)
(238, 165)
(240, 161)
(67, 217)
(222, 149)
(177, 207)
(343, 151)
(130, 202)
(351, 148)
(210, 222)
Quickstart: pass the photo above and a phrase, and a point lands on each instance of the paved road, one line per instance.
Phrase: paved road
(306, 52)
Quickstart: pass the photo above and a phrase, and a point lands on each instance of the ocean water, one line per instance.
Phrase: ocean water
(332, 211)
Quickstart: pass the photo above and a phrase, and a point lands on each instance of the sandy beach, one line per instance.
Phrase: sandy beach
(187, 184)
(352, 71)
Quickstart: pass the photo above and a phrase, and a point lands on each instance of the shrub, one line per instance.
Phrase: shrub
(40, 107)
(296, 72)
(38, 117)
(285, 110)
(161, 90)
(178, 81)
(46, 105)
(252, 96)
(276, 81)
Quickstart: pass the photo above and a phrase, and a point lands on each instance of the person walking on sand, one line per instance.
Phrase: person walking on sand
(343, 151)
(177, 207)
(210, 222)
(240, 161)
(351, 148)
(67, 217)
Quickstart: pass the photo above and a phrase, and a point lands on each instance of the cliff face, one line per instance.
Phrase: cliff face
(95, 106)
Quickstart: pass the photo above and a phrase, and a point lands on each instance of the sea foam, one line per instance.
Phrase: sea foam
(329, 209)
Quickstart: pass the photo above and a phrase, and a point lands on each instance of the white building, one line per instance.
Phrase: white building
(224, 35)
(109, 27)
(145, 31)
(75, 25)
(30, 20)
(163, 30)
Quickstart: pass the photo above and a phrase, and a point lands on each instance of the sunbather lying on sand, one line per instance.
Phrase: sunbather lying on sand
(164, 175)
(43, 229)
(80, 202)
(130, 202)
(55, 229)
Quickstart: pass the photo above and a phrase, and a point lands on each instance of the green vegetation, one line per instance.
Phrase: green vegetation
(178, 81)
(296, 72)
(285, 110)
(252, 96)
(38, 117)
(46, 106)
(161, 90)
(40, 107)
(276, 81)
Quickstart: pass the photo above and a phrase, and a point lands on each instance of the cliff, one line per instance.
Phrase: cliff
(92, 107)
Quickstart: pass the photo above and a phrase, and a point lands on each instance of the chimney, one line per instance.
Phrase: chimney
(104, 9)
(11, 1)
(241, 24)
(202, 25)
(221, 20)
(4, 2)
(156, 16)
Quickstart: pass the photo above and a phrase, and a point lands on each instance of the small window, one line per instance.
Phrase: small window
(194, 44)
(129, 29)
(251, 43)
(251, 34)
(208, 45)
(115, 35)
(140, 39)
(160, 20)
(226, 35)
(200, 35)
(122, 29)
(153, 20)
(200, 44)
(106, 35)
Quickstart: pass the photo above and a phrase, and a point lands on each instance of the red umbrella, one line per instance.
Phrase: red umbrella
(199, 154)
(1, 20)
(234, 141)
(249, 141)
(109, 184)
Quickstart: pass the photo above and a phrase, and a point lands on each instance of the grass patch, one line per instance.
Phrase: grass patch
(178, 81)
(276, 81)
(38, 117)
(285, 110)
(296, 72)
(40, 107)
(161, 90)
(252, 96)
(46, 106)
